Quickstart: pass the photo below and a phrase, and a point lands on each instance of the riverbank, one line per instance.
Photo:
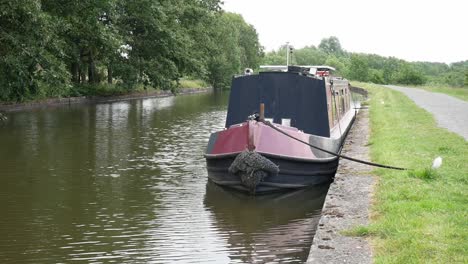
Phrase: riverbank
(7, 107)
(458, 92)
(347, 204)
(418, 216)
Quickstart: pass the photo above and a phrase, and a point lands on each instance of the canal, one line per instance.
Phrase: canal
(125, 182)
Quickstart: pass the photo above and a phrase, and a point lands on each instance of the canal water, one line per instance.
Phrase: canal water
(125, 182)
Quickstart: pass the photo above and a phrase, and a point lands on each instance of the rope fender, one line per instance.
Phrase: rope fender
(252, 169)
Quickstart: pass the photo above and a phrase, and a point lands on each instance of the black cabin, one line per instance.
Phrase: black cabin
(292, 95)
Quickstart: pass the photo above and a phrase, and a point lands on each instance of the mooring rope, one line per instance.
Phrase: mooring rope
(332, 153)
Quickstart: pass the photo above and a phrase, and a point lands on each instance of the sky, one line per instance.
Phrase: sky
(413, 30)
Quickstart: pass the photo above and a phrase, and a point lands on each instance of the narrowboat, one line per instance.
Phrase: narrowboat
(269, 114)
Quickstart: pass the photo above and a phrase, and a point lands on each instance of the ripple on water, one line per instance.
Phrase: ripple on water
(131, 187)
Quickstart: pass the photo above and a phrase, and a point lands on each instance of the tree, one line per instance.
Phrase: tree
(250, 49)
(274, 58)
(235, 47)
(336, 63)
(376, 76)
(466, 78)
(89, 30)
(407, 75)
(225, 60)
(390, 69)
(331, 45)
(359, 68)
(166, 40)
(310, 55)
(31, 53)
(49, 46)
(459, 72)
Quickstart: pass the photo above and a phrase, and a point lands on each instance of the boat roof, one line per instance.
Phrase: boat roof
(322, 68)
(285, 67)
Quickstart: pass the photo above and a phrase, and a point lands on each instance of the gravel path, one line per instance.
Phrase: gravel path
(347, 204)
(451, 113)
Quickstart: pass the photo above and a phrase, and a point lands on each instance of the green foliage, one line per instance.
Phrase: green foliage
(426, 174)
(390, 69)
(338, 64)
(372, 67)
(31, 55)
(235, 47)
(52, 48)
(275, 58)
(466, 78)
(376, 76)
(408, 75)
(359, 68)
(189, 83)
(331, 45)
(310, 56)
(102, 89)
(358, 231)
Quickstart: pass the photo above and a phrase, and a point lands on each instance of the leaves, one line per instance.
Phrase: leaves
(235, 46)
(31, 53)
(47, 46)
(331, 45)
(372, 67)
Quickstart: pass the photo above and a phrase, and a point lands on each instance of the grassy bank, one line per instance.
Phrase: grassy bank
(417, 217)
(112, 89)
(461, 93)
(107, 90)
(190, 83)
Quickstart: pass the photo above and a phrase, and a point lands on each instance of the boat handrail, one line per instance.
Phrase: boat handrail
(285, 67)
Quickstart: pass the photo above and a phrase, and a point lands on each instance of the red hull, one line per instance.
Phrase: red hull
(299, 165)
(263, 139)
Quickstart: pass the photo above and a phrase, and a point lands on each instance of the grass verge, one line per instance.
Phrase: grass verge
(106, 90)
(102, 89)
(418, 216)
(358, 231)
(460, 93)
(190, 83)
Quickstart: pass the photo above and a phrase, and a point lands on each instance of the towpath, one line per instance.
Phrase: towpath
(451, 113)
(347, 204)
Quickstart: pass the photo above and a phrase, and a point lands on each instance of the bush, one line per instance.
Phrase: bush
(376, 76)
(407, 75)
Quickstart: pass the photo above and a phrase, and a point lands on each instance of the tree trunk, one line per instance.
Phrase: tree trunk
(82, 75)
(91, 69)
(109, 74)
(75, 72)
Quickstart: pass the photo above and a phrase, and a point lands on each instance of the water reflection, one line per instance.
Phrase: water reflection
(271, 228)
(125, 182)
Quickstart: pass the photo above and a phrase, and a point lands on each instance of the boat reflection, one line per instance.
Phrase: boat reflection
(269, 228)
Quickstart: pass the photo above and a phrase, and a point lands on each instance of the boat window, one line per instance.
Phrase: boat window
(286, 122)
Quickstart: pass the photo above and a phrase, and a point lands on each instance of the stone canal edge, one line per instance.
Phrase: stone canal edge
(7, 107)
(347, 204)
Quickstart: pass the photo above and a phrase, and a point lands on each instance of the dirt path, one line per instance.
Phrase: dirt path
(347, 204)
(450, 112)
